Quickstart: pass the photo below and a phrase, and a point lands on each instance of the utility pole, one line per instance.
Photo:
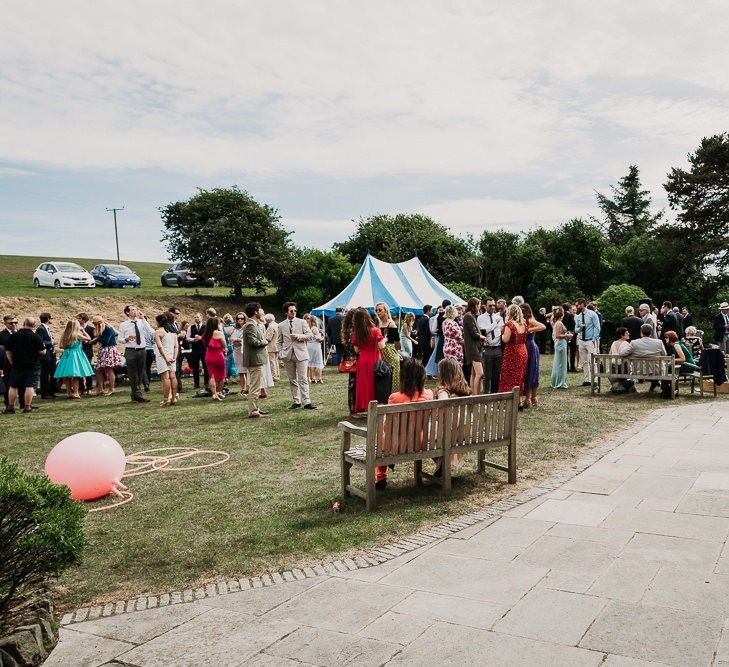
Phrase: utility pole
(116, 233)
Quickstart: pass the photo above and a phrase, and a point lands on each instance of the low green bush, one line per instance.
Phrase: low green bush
(41, 536)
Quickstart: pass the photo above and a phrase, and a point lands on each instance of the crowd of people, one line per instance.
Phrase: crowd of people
(494, 346)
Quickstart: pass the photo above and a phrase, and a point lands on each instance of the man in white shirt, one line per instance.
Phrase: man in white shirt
(132, 333)
(491, 324)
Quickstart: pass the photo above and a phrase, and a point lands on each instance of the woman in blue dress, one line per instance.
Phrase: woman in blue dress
(73, 363)
(531, 380)
(231, 370)
(561, 337)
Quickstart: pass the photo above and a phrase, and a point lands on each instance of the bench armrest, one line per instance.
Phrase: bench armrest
(348, 427)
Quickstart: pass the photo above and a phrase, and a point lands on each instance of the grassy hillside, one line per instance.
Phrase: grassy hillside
(16, 279)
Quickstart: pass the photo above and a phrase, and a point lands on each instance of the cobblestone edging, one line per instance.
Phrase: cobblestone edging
(372, 557)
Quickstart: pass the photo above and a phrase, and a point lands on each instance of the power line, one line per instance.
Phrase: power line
(116, 233)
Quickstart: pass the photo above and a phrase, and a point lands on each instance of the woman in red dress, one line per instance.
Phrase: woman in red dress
(514, 364)
(367, 341)
(215, 346)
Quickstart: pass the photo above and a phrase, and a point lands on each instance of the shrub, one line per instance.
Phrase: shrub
(307, 298)
(465, 291)
(613, 301)
(40, 536)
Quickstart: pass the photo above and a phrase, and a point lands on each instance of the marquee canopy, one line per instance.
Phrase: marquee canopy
(405, 287)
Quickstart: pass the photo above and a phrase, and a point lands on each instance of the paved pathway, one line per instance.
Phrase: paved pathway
(625, 564)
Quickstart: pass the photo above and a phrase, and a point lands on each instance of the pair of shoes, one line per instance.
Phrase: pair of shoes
(585, 384)
(521, 408)
(164, 403)
(217, 397)
(294, 406)
(381, 484)
(9, 411)
(141, 399)
(264, 412)
(309, 406)
(28, 408)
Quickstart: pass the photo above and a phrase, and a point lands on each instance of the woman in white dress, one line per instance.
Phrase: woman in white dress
(165, 355)
(316, 357)
(267, 379)
(236, 340)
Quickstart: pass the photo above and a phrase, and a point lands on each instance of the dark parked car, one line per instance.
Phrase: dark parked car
(180, 276)
(115, 275)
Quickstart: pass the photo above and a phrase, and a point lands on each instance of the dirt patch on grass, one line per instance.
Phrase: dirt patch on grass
(110, 307)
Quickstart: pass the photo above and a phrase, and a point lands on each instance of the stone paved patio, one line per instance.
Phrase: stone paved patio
(624, 564)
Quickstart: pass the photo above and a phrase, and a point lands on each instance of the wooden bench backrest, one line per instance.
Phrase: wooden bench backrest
(427, 426)
(639, 366)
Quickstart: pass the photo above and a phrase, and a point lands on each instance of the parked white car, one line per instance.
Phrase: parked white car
(62, 274)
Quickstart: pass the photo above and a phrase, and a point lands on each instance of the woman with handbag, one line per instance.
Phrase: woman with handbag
(389, 332)
(368, 343)
(348, 361)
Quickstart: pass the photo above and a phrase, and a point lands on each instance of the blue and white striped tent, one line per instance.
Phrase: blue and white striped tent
(405, 287)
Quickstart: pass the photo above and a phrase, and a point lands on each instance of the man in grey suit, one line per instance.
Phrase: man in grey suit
(645, 346)
(293, 335)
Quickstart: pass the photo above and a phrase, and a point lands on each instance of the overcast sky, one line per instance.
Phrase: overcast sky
(482, 114)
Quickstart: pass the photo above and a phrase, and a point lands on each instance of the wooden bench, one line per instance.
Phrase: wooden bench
(616, 367)
(426, 430)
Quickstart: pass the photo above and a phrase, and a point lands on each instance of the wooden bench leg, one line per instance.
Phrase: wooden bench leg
(346, 467)
(481, 461)
(446, 472)
(418, 471)
(370, 486)
(511, 459)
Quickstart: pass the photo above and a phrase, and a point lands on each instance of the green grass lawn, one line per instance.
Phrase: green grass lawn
(269, 506)
(16, 278)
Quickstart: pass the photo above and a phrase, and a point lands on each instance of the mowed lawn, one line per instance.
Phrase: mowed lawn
(269, 507)
(16, 278)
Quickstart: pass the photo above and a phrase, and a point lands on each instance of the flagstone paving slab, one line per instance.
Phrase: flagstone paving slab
(655, 633)
(450, 609)
(85, 650)
(261, 600)
(396, 628)
(570, 511)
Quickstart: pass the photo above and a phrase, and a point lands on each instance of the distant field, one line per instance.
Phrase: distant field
(16, 279)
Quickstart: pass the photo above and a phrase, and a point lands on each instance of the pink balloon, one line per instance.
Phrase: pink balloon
(89, 463)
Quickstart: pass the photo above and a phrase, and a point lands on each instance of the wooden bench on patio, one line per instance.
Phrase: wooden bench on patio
(617, 367)
(427, 430)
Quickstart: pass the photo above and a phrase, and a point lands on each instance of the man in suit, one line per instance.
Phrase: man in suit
(48, 360)
(172, 314)
(632, 323)
(256, 355)
(688, 318)
(25, 349)
(424, 335)
(721, 327)
(11, 327)
(197, 350)
(645, 346)
(334, 332)
(293, 335)
(669, 322)
(645, 314)
(569, 324)
(681, 326)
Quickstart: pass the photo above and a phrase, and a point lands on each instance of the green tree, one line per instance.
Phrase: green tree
(315, 276)
(701, 197)
(628, 213)
(226, 234)
(398, 238)
(551, 286)
(499, 257)
(616, 298)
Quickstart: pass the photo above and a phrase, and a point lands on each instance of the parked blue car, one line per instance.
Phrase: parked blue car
(115, 275)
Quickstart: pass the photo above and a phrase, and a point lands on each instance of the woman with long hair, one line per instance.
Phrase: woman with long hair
(236, 340)
(531, 379)
(514, 364)
(407, 341)
(678, 349)
(231, 370)
(165, 358)
(73, 363)
(109, 357)
(349, 354)
(315, 367)
(368, 343)
(214, 342)
(388, 329)
(452, 335)
(411, 389)
(561, 337)
(451, 384)
(472, 343)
